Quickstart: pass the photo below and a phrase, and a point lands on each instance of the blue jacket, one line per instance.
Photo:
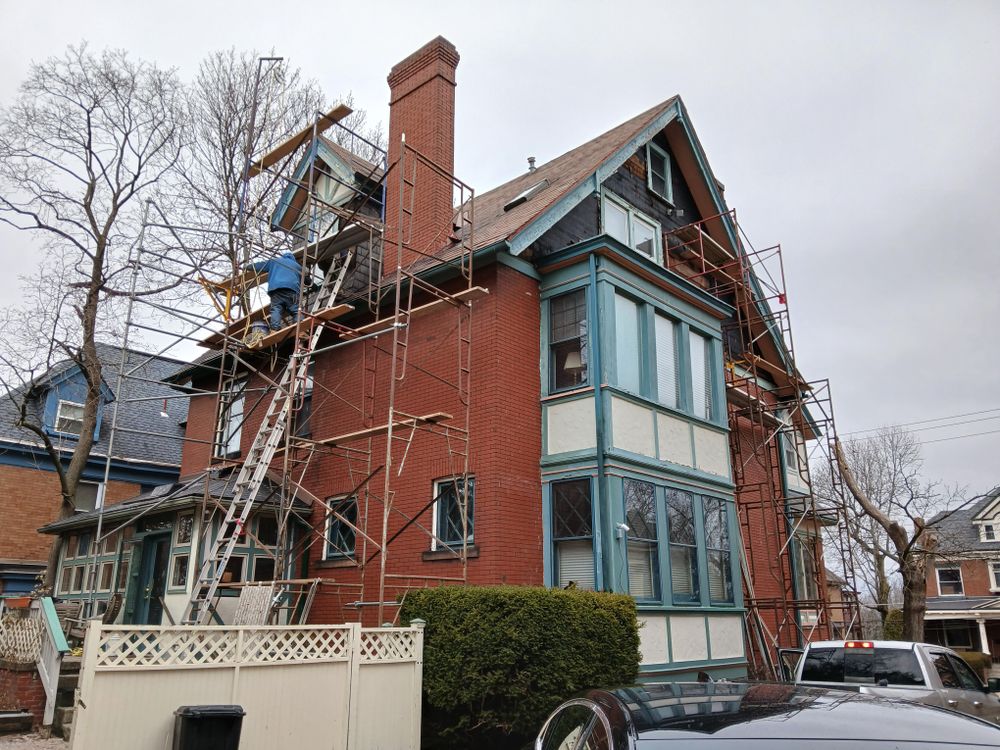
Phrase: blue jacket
(283, 272)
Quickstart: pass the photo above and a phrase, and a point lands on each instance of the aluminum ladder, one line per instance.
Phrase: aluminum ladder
(254, 469)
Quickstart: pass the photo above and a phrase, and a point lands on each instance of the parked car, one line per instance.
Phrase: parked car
(919, 672)
(765, 716)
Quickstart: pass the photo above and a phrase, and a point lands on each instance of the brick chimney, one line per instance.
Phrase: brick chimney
(422, 107)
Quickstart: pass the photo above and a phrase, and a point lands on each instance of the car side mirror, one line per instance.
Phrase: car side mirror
(993, 685)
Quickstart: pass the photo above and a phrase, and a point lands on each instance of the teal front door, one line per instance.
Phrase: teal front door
(152, 579)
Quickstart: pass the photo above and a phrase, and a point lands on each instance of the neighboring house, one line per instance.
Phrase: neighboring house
(843, 600)
(600, 423)
(963, 580)
(146, 451)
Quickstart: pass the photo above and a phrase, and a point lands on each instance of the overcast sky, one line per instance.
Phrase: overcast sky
(861, 136)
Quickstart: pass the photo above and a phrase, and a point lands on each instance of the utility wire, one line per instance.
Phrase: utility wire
(959, 437)
(924, 421)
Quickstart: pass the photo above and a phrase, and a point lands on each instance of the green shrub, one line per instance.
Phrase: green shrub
(979, 662)
(498, 659)
(892, 628)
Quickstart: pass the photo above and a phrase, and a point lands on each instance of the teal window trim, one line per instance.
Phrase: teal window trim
(633, 215)
(555, 540)
(635, 536)
(549, 352)
(654, 151)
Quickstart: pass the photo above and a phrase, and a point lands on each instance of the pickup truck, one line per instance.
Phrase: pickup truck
(920, 672)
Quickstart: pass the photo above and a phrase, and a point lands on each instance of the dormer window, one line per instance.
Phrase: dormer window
(989, 532)
(658, 172)
(69, 418)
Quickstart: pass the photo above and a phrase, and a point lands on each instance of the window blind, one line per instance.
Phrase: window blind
(701, 376)
(681, 571)
(642, 569)
(666, 361)
(575, 559)
(627, 343)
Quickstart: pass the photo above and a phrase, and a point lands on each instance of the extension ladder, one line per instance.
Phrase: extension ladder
(265, 444)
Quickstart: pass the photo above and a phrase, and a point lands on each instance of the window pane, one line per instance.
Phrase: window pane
(666, 361)
(716, 524)
(234, 569)
(86, 496)
(640, 516)
(680, 517)
(185, 528)
(616, 221)
(948, 677)
(627, 343)
(267, 530)
(263, 568)
(568, 339)
(180, 573)
(450, 518)
(230, 423)
(66, 581)
(659, 173)
(575, 564)
(701, 376)
(684, 572)
(949, 581)
(640, 508)
(644, 237)
(340, 536)
(720, 579)
(897, 666)
(69, 418)
(571, 512)
(965, 674)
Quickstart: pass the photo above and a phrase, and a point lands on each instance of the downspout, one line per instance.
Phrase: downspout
(595, 348)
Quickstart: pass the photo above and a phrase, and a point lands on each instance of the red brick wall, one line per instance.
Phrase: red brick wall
(975, 577)
(505, 430)
(21, 688)
(422, 106)
(29, 499)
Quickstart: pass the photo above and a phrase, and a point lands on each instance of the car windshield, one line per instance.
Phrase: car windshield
(897, 666)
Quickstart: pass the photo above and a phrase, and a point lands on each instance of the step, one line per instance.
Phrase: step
(63, 717)
(15, 721)
(68, 681)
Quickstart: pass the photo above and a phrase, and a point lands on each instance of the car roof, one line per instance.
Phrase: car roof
(741, 711)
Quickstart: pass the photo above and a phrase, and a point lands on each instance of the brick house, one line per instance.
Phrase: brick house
(600, 402)
(963, 580)
(29, 486)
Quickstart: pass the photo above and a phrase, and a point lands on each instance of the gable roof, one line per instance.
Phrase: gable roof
(958, 532)
(140, 439)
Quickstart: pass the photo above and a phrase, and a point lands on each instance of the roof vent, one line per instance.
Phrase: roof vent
(531, 163)
(526, 195)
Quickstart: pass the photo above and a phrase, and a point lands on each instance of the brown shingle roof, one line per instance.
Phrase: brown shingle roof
(562, 174)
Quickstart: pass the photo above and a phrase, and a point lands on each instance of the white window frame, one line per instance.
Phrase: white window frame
(59, 411)
(225, 436)
(634, 215)
(961, 579)
(98, 494)
(994, 580)
(667, 171)
(992, 526)
(471, 538)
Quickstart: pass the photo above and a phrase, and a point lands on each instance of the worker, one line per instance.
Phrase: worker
(284, 276)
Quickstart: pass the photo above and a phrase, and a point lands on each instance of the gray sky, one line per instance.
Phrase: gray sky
(861, 136)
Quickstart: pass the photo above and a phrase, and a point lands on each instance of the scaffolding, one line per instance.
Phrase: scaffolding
(781, 430)
(370, 293)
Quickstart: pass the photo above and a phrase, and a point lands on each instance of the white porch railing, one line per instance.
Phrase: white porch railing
(51, 650)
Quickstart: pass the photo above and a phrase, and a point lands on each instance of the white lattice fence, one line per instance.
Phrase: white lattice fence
(316, 687)
(20, 637)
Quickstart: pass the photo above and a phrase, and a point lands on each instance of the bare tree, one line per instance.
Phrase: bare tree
(242, 104)
(88, 137)
(890, 523)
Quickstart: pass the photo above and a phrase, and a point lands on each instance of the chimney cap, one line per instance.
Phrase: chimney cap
(531, 163)
(437, 48)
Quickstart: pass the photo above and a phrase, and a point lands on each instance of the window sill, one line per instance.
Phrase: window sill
(338, 562)
(435, 555)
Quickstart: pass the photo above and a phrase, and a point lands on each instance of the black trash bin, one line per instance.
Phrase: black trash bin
(208, 727)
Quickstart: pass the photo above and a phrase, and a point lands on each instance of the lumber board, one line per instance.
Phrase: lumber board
(466, 295)
(289, 145)
(243, 325)
(381, 429)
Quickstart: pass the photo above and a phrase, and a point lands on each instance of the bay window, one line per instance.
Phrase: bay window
(573, 533)
(643, 560)
(683, 547)
(568, 340)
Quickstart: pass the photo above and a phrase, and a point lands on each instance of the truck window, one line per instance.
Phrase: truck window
(896, 666)
(948, 677)
(965, 674)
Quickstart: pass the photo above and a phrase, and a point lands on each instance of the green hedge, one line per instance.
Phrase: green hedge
(498, 659)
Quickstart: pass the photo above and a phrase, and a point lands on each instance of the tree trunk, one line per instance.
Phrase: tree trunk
(914, 571)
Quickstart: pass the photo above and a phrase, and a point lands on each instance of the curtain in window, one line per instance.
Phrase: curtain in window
(640, 516)
(701, 376)
(572, 532)
(683, 546)
(720, 579)
(666, 361)
(627, 343)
